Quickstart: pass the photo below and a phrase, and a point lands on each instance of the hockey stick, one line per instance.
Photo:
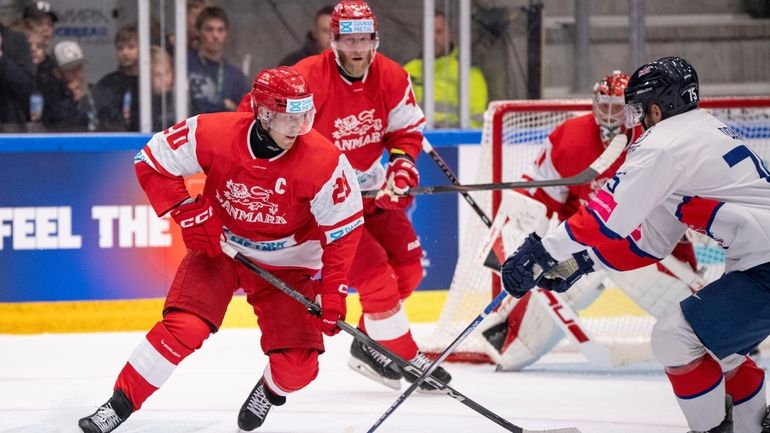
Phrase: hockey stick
(491, 261)
(315, 310)
(432, 367)
(560, 312)
(564, 316)
(601, 164)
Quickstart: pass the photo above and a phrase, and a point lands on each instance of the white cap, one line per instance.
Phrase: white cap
(68, 55)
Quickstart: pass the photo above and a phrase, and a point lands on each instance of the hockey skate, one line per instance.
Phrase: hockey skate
(422, 361)
(109, 415)
(257, 405)
(374, 365)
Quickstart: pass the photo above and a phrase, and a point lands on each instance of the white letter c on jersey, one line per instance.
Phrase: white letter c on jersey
(279, 184)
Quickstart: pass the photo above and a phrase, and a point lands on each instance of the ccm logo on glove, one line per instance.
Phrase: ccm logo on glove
(197, 219)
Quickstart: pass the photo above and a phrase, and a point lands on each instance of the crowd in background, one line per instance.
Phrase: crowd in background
(44, 87)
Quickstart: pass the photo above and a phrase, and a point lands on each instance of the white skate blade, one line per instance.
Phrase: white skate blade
(364, 370)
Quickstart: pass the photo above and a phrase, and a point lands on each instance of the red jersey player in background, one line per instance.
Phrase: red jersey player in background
(366, 106)
(279, 193)
(523, 330)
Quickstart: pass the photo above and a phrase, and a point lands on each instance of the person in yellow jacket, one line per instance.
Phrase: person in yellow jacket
(446, 81)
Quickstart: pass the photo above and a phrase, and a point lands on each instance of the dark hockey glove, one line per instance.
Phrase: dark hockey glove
(402, 174)
(562, 276)
(201, 228)
(333, 306)
(522, 270)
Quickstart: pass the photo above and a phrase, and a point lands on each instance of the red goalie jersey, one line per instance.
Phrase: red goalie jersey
(569, 149)
(282, 212)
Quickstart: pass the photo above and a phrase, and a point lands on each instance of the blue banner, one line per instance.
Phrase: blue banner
(75, 225)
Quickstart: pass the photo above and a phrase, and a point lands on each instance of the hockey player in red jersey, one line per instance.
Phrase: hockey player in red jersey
(280, 194)
(688, 170)
(366, 106)
(522, 331)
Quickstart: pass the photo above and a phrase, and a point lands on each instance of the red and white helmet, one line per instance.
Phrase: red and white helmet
(353, 28)
(608, 104)
(281, 100)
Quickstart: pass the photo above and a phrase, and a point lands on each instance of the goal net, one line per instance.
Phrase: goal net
(512, 137)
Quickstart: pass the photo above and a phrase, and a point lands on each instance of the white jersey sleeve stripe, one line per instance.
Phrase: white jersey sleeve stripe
(406, 115)
(174, 149)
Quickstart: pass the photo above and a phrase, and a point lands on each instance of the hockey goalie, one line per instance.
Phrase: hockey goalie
(523, 330)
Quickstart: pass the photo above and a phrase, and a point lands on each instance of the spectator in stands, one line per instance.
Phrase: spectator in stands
(36, 47)
(40, 18)
(194, 8)
(17, 80)
(446, 83)
(215, 85)
(118, 104)
(316, 40)
(162, 89)
(68, 99)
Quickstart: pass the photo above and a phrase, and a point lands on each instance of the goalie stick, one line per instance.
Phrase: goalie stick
(315, 310)
(601, 164)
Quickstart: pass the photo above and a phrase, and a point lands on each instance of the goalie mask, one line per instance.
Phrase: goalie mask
(282, 101)
(608, 104)
(671, 83)
(354, 37)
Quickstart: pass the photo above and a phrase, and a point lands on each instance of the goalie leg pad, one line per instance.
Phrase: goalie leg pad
(169, 342)
(531, 333)
(746, 385)
(652, 289)
(290, 370)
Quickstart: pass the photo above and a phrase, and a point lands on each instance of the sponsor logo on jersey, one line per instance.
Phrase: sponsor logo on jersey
(413, 245)
(333, 235)
(274, 245)
(249, 204)
(603, 204)
(354, 131)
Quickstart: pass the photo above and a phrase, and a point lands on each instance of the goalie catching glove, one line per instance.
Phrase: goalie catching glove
(201, 228)
(333, 307)
(532, 265)
(402, 175)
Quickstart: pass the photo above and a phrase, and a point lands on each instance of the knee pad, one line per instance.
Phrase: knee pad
(187, 328)
(673, 341)
(290, 370)
(409, 277)
(379, 292)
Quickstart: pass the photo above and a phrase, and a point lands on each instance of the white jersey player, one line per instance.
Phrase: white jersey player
(523, 330)
(688, 170)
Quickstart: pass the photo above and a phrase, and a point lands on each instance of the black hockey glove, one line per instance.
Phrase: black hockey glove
(525, 267)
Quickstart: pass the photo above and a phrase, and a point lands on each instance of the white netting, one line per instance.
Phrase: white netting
(512, 136)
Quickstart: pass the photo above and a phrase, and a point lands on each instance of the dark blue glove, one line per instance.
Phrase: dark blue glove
(519, 273)
(562, 276)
